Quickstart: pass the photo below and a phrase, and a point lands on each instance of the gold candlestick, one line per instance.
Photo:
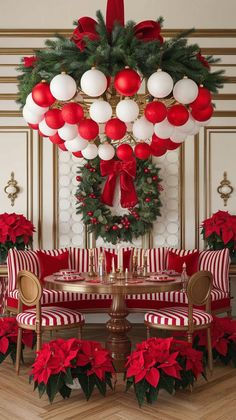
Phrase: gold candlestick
(91, 272)
(135, 265)
(144, 268)
(112, 275)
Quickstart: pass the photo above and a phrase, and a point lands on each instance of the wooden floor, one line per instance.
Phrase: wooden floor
(213, 400)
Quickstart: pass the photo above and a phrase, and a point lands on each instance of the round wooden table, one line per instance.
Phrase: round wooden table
(118, 343)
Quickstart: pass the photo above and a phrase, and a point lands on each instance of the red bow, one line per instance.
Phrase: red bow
(148, 30)
(127, 172)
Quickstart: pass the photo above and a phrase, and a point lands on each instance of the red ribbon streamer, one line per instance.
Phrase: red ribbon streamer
(127, 172)
(115, 13)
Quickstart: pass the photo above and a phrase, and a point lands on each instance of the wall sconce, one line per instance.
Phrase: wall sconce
(12, 189)
(225, 189)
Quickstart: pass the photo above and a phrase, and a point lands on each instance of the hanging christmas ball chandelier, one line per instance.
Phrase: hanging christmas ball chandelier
(116, 89)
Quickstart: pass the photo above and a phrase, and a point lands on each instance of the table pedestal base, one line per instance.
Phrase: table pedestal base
(118, 343)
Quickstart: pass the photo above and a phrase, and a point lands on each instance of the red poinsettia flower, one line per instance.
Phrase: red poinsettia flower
(141, 365)
(219, 340)
(148, 30)
(14, 226)
(86, 28)
(29, 61)
(4, 344)
(92, 353)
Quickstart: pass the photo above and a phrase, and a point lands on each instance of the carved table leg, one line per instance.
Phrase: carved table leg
(118, 343)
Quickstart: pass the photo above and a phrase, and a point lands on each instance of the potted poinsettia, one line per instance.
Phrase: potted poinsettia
(159, 363)
(15, 232)
(60, 362)
(219, 232)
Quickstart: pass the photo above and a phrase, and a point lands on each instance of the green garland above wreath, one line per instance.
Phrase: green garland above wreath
(98, 216)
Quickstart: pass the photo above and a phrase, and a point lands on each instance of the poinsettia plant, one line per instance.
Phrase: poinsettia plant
(8, 338)
(15, 232)
(59, 362)
(159, 363)
(219, 231)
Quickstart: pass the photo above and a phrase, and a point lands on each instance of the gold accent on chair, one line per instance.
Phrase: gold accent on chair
(30, 293)
(199, 294)
(225, 189)
(12, 189)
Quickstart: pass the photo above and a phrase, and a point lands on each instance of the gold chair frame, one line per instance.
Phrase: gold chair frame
(30, 293)
(199, 294)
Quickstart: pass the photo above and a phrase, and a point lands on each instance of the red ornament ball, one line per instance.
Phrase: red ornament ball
(127, 82)
(88, 129)
(171, 145)
(41, 94)
(124, 152)
(158, 146)
(115, 129)
(77, 154)
(56, 139)
(147, 199)
(155, 178)
(54, 118)
(146, 170)
(78, 178)
(72, 113)
(203, 114)
(142, 151)
(63, 147)
(33, 126)
(177, 115)
(115, 227)
(155, 112)
(203, 99)
(90, 213)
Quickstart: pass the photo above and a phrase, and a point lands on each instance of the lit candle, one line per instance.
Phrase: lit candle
(113, 265)
(119, 257)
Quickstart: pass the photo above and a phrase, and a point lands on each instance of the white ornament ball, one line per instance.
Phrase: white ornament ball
(164, 129)
(93, 82)
(76, 145)
(178, 136)
(127, 110)
(203, 123)
(189, 126)
(63, 87)
(45, 129)
(142, 129)
(31, 117)
(68, 131)
(90, 152)
(100, 111)
(33, 107)
(160, 84)
(106, 151)
(185, 91)
(195, 130)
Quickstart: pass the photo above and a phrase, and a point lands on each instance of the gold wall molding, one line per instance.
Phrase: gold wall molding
(40, 191)
(55, 224)
(182, 195)
(196, 190)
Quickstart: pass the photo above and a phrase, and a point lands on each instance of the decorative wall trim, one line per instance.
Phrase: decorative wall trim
(196, 190)
(55, 224)
(40, 191)
(182, 195)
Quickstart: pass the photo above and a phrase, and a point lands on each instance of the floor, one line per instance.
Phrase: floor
(213, 400)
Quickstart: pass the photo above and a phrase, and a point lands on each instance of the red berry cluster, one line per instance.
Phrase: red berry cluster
(134, 213)
(146, 170)
(92, 195)
(78, 178)
(125, 222)
(90, 213)
(115, 227)
(94, 221)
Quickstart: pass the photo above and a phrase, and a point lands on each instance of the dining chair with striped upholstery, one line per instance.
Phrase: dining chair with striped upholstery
(39, 318)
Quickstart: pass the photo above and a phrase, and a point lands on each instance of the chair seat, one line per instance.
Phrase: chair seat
(177, 316)
(51, 317)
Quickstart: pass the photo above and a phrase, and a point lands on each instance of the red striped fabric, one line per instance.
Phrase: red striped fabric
(175, 296)
(177, 317)
(51, 316)
(79, 259)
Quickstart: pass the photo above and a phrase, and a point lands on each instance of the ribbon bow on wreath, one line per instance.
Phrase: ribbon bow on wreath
(127, 172)
(147, 30)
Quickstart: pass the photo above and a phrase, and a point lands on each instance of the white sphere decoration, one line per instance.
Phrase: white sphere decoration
(76, 145)
(178, 136)
(63, 87)
(45, 129)
(164, 129)
(93, 82)
(31, 117)
(127, 110)
(100, 111)
(185, 91)
(203, 123)
(142, 129)
(106, 151)
(33, 107)
(189, 126)
(68, 131)
(160, 84)
(90, 152)
(195, 130)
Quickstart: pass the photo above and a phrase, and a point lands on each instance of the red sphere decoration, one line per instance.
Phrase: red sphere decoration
(72, 113)
(155, 112)
(171, 145)
(77, 154)
(147, 199)
(127, 82)
(54, 118)
(203, 99)
(158, 146)
(115, 227)
(177, 115)
(41, 94)
(63, 147)
(124, 152)
(115, 129)
(56, 139)
(88, 129)
(159, 142)
(90, 213)
(33, 126)
(142, 151)
(203, 114)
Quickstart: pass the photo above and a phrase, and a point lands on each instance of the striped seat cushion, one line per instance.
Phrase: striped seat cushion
(177, 317)
(177, 296)
(51, 316)
(58, 296)
(217, 262)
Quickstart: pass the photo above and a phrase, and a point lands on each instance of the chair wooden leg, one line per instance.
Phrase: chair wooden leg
(189, 337)
(80, 333)
(18, 350)
(209, 348)
(148, 332)
(39, 341)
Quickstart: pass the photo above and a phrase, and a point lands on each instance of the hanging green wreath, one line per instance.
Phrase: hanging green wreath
(98, 216)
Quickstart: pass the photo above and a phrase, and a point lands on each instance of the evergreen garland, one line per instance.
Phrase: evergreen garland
(112, 52)
(98, 217)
